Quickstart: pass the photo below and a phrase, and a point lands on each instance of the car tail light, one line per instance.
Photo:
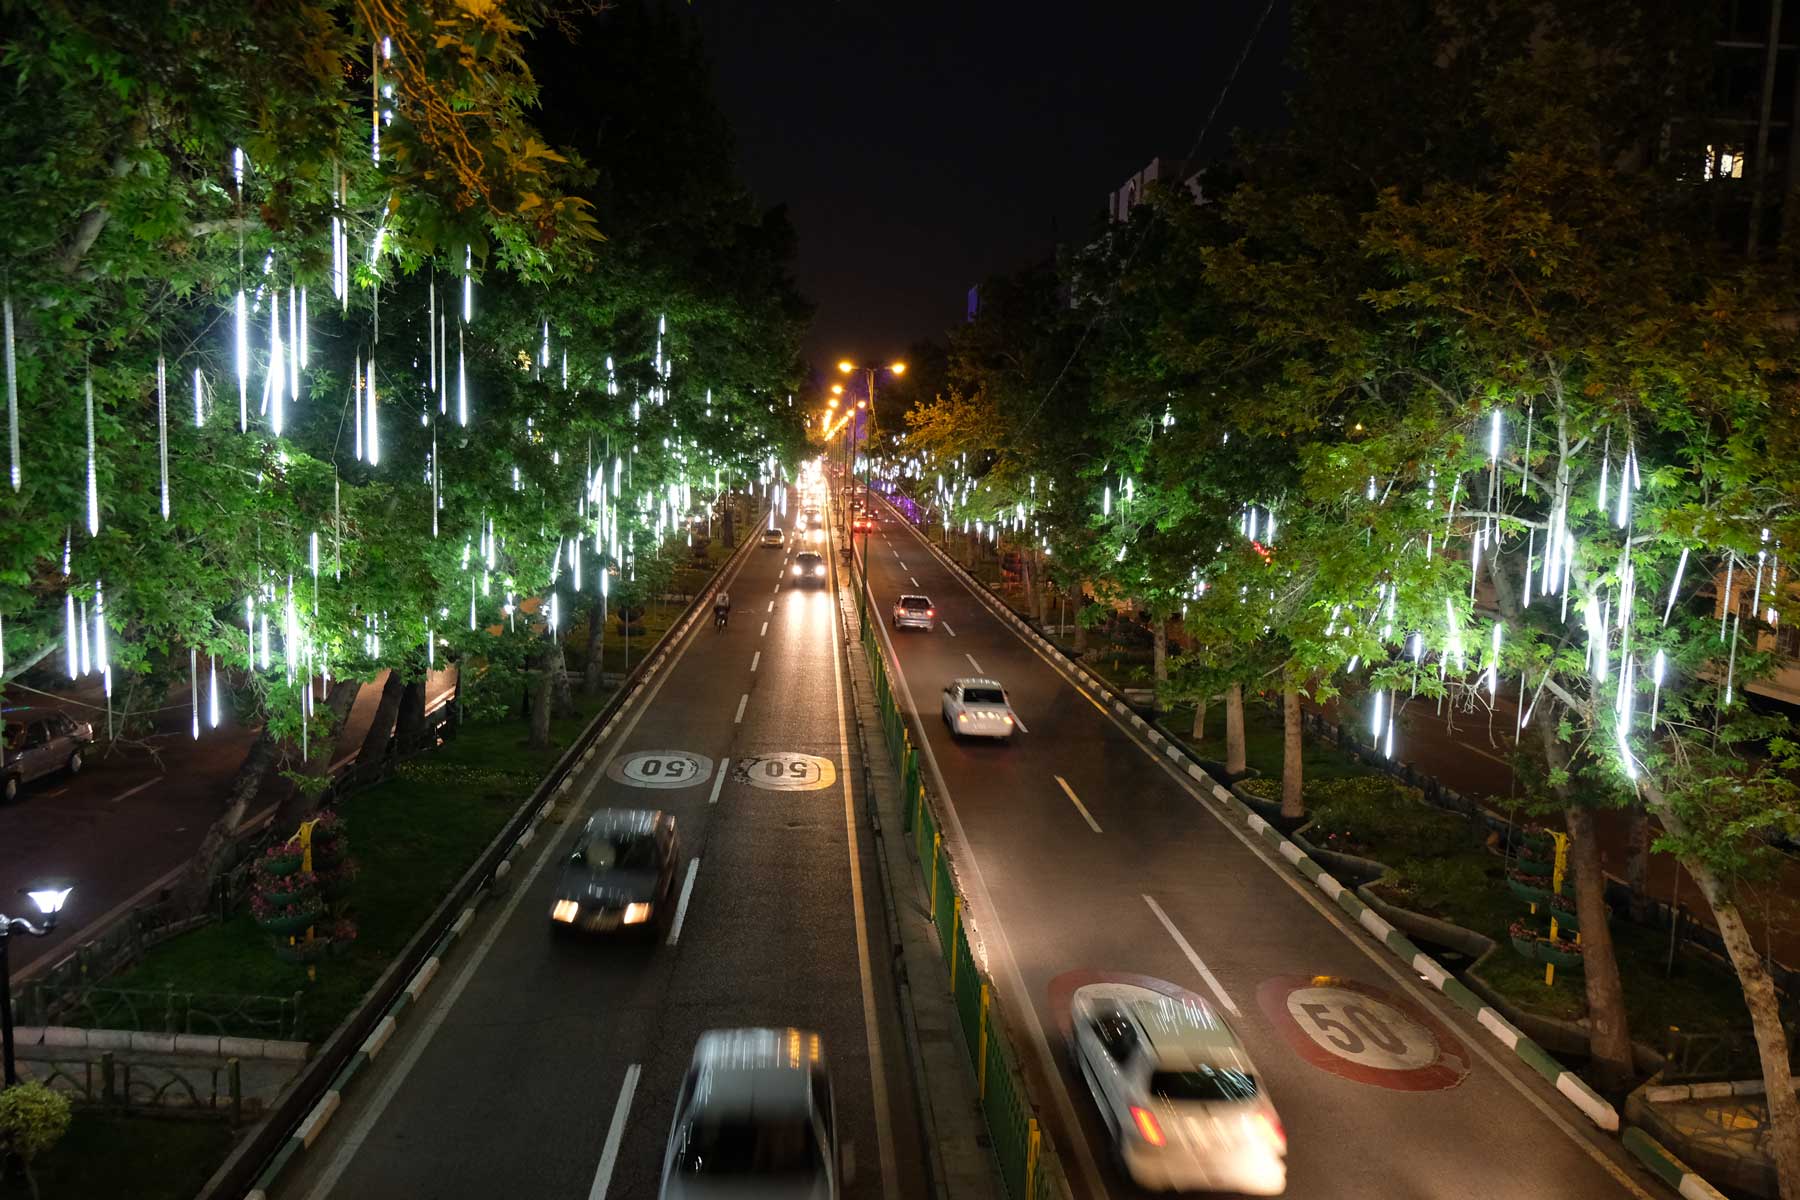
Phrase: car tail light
(1270, 1128)
(1147, 1127)
(1007, 717)
(931, 612)
(963, 718)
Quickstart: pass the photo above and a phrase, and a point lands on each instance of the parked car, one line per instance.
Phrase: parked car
(620, 875)
(754, 1118)
(914, 612)
(809, 567)
(40, 742)
(773, 538)
(1177, 1092)
(978, 708)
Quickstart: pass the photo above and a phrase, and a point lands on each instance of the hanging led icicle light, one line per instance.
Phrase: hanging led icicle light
(1656, 675)
(356, 405)
(250, 629)
(373, 419)
(71, 639)
(162, 430)
(462, 384)
(431, 380)
(544, 350)
(93, 477)
(242, 327)
(468, 283)
(212, 668)
(434, 484)
(102, 660)
(194, 692)
(1623, 516)
(12, 391)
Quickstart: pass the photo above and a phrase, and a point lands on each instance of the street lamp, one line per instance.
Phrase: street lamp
(49, 899)
(846, 366)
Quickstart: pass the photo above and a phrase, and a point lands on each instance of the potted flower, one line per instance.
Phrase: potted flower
(334, 882)
(343, 936)
(1539, 947)
(327, 828)
(281, 891)
(282, 859)
(286, 918)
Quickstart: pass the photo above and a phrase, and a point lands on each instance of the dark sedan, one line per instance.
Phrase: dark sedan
(620, 876)
(38, 743)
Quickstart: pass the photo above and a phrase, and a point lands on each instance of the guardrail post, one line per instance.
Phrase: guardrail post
(1033, 1143)
(937, 845)
(235, 1080)
(109, 1091)
(981, 1051)
(955, 924)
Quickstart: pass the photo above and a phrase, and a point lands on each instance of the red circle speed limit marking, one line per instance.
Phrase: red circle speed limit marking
(1363, 1033)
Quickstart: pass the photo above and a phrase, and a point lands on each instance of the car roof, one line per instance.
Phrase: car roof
(808, 554)
(749, 1070)
(1182, 1034)
(610, 821)
(969, 681)
(905, 596)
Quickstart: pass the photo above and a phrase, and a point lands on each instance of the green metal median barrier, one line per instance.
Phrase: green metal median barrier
(1028, 1162)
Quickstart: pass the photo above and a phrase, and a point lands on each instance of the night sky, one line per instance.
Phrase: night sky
(922, 146)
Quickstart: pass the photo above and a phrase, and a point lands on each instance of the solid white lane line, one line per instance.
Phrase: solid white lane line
(975, 664)
(615, 1133)
(765, 630)
(687, 891)
(884, 1138)
(755, 659)
(1211, 980)
(742, 701)
(947, 628)
(1079, 806)
(718, 781)
(128, 793)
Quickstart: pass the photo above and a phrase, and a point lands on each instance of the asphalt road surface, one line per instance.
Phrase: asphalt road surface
(1093, 858)
(530, 1049)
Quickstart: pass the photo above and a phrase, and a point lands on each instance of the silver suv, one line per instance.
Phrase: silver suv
(41, 742)
(913, 611)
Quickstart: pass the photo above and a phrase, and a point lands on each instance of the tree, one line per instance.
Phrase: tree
(32, 1120)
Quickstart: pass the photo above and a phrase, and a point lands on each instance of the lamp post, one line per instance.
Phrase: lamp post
(49, 900)
(846, 367)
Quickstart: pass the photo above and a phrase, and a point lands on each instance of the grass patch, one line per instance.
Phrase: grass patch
(415, 835)
(1320, 760)
(146, 1158)
(1439, 866)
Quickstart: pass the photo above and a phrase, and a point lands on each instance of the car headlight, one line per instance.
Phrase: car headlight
(636, 914)
(818, 570)
(796, 570)
(565, 911)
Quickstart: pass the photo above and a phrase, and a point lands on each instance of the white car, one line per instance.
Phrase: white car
(978, 708)
(913, 611)
(1177, 1092)
(755, 1119)
(773, 538)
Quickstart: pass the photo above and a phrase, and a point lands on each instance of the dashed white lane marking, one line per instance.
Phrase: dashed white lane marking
(771, 607)
(765, 630)
(128, 793)
(687, 891)
(915, 580)
(615, 1133)
(974, 664)
(754, 660)
(718, 781)
(947, 628)
(1211, 980)
(1079, 806)
(742, 702)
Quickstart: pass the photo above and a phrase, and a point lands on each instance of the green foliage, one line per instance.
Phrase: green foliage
(32, 1120)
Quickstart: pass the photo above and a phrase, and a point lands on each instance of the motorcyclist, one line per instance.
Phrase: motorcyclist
(721, 607)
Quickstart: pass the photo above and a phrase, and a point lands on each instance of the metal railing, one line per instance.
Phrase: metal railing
(107, 1081)
(1029, 1165)
(166, 1010)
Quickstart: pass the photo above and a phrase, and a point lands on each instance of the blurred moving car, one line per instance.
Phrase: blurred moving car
(977, 707)
(863, 522)
(773, 538)
(914, 612)
(809, 567)
(1176, 1091)
(620, 876)
(755, 1118)
(40, 742)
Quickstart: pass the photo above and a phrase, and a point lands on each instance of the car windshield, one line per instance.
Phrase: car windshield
(983, 695)
(740, 1146)
(1206, 1083)
(914, 602)
(809, 558)
(621, 852)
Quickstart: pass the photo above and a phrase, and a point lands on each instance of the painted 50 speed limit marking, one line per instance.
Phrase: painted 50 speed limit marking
(661, 769)
(786, 772)
(1363, 1033)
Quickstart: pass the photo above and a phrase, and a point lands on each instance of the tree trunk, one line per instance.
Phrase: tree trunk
(540, 689)
(1159, 651)
(1637, 861)
(1198, 733)
(1760, 997)
(1293, 805)
(593, 670)
(562, 701)
(1030, 578)
(297, 805)
(730, 526)
(1078, 602)
(410, 722)
(1234, 730)
(192, 893)
(1609, 1033)
(375, 742)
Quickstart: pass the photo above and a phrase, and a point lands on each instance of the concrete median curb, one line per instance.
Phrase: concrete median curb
(1569, 1085)
(1666, 1167)
(307, 1132)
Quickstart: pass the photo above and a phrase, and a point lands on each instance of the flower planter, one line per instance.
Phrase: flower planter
(285, 864)
(301, 952)
(284, 899)
(1535, 866)
(1530, 893)
(286, 924)
(341, 946)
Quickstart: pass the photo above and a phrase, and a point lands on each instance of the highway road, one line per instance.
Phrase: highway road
(547, 1066)
(1091, 857)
